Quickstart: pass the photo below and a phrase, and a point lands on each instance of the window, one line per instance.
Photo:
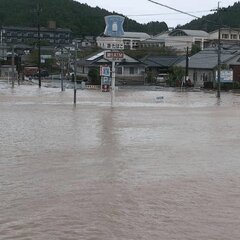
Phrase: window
(131, 70)
(233, 36)
(225, 36)
(205, 77)
(119, 70)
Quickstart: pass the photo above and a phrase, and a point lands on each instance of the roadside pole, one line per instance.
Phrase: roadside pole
(219, 55)
(75, 78)
(187, 66)
(39, 46)
(113, 84)
(114, 56)
(13, 72)
(114, 28)
(62, 89)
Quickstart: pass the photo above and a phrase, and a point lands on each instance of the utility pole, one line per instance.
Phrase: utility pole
(39, 46)
(219, 54)
(75, 77)
(113, 84)
(62, 65)
(187, 64)
(13, 70)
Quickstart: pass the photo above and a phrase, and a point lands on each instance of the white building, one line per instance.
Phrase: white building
(180, 39)
(130, 40)
(226, 34)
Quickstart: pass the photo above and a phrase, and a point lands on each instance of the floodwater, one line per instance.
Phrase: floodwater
(160, 165)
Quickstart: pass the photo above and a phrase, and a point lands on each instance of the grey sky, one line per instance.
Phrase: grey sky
(144, 11)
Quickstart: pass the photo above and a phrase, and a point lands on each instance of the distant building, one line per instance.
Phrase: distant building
(155, 41)
(28, 36)
(85, 42)
(130, 40)
(180, 39)
(227, 35)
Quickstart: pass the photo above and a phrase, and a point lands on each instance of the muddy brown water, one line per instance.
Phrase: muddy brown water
(142, 170)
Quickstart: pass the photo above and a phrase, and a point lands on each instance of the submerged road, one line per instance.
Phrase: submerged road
(158, 166)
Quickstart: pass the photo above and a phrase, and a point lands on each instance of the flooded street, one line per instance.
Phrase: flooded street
(160, 165)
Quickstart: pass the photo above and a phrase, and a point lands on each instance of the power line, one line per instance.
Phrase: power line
(185, 13)
(159, 14)
(174, 9)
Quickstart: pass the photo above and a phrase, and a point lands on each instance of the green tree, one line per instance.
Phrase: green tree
(80, 18)
(195, 49)
(151, 76)
(94, 76)
(176, 76)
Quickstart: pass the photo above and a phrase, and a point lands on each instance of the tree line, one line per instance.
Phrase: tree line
(82, 19)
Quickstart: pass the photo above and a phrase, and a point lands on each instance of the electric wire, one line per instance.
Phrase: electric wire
(174, 9)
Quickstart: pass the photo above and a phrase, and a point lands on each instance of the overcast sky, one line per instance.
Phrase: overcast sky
(144, 11)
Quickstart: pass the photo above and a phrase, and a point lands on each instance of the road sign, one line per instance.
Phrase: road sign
(106, 80)
(113, 55)
(105, 71)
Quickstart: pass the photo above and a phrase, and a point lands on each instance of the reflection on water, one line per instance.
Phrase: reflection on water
(142, 170)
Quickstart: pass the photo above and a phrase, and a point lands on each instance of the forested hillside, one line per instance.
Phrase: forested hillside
(80, 18)
(228, 17)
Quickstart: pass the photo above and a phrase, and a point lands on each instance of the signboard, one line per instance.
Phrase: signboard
(226, 76)
(46, 56)
(114, 26)
(105, 71)
(113, 55)
(105, 83)
(106, 80)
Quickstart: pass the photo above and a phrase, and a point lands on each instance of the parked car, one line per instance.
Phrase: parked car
(161, 78)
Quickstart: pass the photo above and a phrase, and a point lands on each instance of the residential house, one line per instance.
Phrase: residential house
(202, 67)
(159, 65)
(84, 42)
(128, 70)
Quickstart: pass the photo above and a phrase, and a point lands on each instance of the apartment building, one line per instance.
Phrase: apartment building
(28, 35)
